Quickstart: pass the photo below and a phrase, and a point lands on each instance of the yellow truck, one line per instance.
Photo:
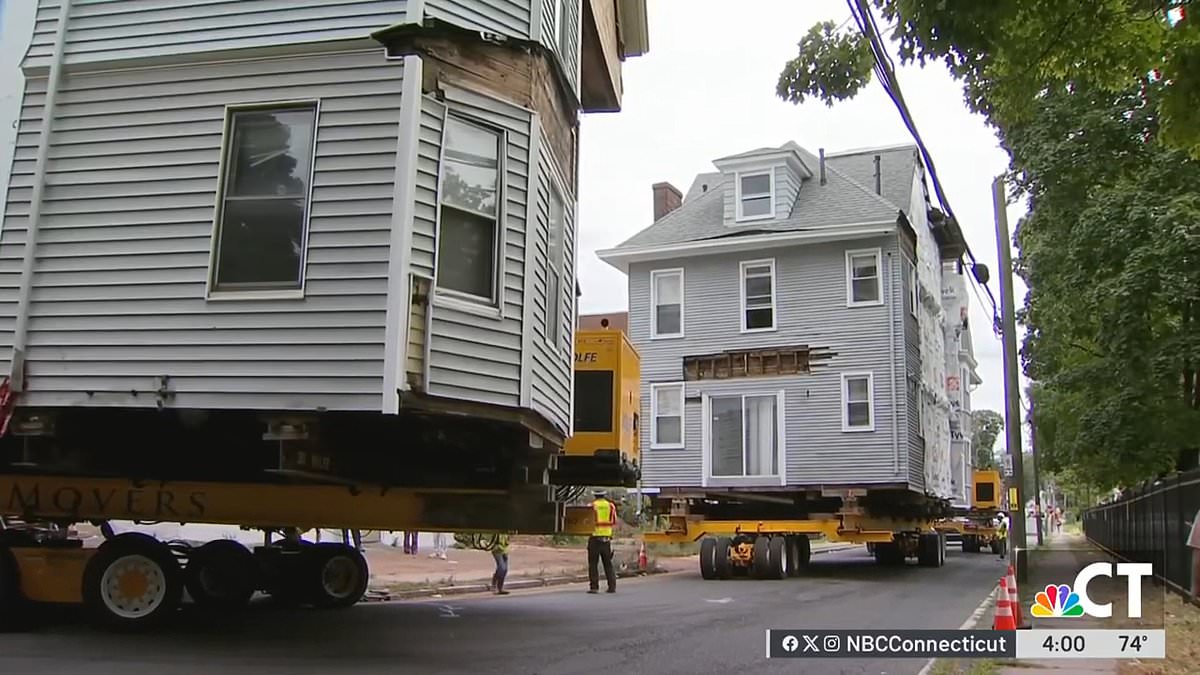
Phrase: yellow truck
(977, 526)
(603, 446)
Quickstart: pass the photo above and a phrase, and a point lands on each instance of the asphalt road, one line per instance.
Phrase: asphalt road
(670, 624)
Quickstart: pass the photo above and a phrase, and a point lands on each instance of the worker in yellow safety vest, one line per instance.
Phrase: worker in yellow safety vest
(599, 547)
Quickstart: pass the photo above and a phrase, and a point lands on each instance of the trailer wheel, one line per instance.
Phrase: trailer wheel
(889, 554)
(803, 553)
(780, 558)
(928, 554)
(760, 561)
(220, 575)
(14, 610)
(996, 546)
(941, 549)
(708, 555)
(132, 583)
(336, 576)
(969, 543)
(722, 565)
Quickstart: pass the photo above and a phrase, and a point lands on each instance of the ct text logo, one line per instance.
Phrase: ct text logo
(1063, 601)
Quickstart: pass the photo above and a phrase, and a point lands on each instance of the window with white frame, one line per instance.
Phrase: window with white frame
(914, 290)
(758, 295)
(744, 435)
(858, 406)
(469, 214)
(555, 267)
(756, 195)
(666, 415)
(264, 203)
(666, 303)
(863, 278)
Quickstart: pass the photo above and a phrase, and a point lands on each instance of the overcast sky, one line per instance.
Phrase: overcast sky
(706, 89)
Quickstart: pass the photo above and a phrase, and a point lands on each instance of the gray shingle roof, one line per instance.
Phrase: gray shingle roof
(843, 200)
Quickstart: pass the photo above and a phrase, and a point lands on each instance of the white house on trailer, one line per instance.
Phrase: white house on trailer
(343, 226)
(789, 314)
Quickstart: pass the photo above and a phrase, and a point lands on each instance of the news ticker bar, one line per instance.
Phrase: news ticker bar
(968, 644)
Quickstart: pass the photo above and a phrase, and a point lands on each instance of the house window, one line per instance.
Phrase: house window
(744, 435)
(758, 295)
(858, 408)
(914, 293)
(666, 414)
(554, 267)
(261, 228)
(468, 217)
(666, 290)
(756, 196)
(862, 278)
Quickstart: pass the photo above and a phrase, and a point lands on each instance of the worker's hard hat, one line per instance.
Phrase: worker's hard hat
(599, 493)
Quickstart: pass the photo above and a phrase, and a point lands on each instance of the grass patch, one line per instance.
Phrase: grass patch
(1182, 621)
(972, 667)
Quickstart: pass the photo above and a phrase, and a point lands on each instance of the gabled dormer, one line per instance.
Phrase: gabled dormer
(762, 185)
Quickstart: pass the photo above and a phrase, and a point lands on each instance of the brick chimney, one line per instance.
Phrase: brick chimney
(666, 199)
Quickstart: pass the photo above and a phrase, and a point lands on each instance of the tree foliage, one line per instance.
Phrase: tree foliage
(986, 427)
(1008, 53)
(1110, 251)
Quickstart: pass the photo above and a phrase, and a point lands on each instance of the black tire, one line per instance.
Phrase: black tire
(889, 554)
(335, 576)
(779, 558)
(792, 543)
(761, 558)
(15, 612)
(996, 547)
(722, 565)
(708, 554)
(161, 583)
(221, 575)
(941, 549)
(803, 553)
(927, 550)
(969, 543)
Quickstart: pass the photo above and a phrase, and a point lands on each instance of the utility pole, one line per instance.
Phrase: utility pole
(1012, 389)
(1037, 483)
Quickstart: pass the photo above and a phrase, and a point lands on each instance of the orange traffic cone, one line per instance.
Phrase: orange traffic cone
(643, 562)
(1015, 598)
(1004, 615)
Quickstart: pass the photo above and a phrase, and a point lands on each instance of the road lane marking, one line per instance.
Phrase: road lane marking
(969, 624)
(719, 601)
(449, 611)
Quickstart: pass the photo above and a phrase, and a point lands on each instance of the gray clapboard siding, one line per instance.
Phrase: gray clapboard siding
(912, 439)
(478, 357)
(118, 292)
(109, 30)
(811, 307)
(426, 193)
(567, 13)
(552, 364)
(503, 17)
(787, 187)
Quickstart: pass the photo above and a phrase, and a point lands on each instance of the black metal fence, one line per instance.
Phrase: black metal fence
(1152, 521)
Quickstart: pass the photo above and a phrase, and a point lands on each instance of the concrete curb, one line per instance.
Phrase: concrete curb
(385, 595)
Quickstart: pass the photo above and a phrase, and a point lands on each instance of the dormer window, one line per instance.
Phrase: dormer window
(756, 195)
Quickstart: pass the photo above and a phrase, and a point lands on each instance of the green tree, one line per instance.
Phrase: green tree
(986, 427)
(1008, 53)
(1109, 250)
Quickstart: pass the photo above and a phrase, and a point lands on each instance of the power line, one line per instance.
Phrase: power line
(885, 70)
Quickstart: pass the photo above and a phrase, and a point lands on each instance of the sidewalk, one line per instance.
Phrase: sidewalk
(1057, 561)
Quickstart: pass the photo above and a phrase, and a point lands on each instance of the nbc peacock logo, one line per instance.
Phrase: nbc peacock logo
(1056, 602)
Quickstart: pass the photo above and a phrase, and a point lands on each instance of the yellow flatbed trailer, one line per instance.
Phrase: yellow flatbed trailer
(133, 581)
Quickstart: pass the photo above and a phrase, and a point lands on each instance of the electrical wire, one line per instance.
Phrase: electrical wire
(885, 71)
